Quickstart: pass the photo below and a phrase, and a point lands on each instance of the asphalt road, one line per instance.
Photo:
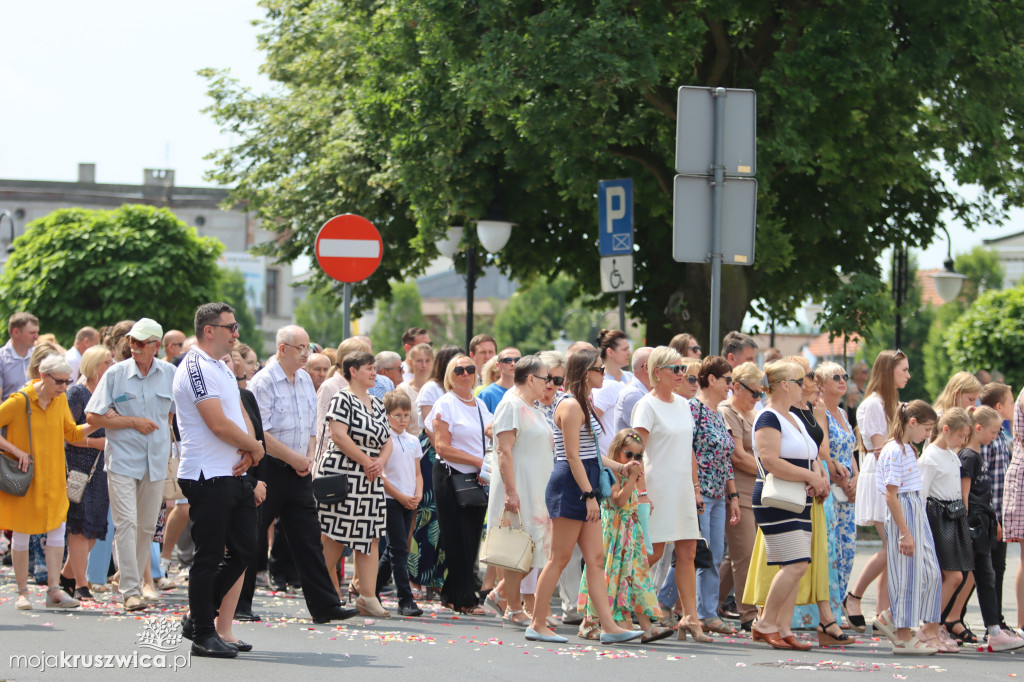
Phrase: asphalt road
(439, 645)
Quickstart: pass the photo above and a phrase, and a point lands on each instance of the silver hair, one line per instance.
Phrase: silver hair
(387, 359)
(54, 364)
(286, 334)
(527, 365)
(552, 358)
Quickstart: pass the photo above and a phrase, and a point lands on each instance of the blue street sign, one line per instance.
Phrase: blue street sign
(615, 216)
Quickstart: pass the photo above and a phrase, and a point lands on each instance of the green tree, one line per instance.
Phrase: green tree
(231, 289)
(984, 272)
(319, 315)
(533, 317)
(404, 311)
(990, 335)
(77, 267)
(421, 114)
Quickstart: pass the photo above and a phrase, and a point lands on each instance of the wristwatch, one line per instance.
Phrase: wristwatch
(732, 495)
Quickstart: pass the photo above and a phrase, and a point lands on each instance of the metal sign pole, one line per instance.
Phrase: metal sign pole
(717, 188)
(347, 325)
(622, 310)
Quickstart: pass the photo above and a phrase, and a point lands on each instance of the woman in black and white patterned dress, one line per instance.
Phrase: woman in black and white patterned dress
(360, 444)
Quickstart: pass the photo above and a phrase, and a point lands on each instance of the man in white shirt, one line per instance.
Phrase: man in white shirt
(132, 402)
(287, 402)
(217, 448)
(86, 338)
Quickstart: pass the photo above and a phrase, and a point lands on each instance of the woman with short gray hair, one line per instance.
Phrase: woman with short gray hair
(39, 440)
(525, 459)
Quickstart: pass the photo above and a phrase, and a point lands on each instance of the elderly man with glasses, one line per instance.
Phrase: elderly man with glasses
(133, 402)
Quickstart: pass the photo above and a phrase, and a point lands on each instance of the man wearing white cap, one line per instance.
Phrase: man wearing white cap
(133, 402)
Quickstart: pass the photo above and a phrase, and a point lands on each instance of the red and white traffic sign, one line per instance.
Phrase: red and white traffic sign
(349, 248)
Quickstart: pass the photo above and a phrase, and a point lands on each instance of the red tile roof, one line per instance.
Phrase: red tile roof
(822, 348)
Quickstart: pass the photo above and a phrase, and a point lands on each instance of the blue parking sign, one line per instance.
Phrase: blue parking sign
(615, 216)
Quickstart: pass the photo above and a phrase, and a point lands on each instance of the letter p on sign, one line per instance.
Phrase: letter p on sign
(611, 213)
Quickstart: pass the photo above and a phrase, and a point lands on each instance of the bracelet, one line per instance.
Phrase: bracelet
(642, 494)
(696, 486)
(592, 494)
(902, 537)
(734, 496)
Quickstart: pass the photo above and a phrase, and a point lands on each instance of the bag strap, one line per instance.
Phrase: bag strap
(483, 437)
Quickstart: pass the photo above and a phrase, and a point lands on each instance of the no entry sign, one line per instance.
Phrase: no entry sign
(348, 248)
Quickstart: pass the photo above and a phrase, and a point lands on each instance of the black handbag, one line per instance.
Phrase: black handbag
(703, 558)
(954, 509)
(332, 488)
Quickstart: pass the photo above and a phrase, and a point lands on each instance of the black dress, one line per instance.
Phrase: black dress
(814, 429)
(88, 517)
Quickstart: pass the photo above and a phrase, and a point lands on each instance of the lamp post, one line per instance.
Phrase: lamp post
(899, 287)
(948, 281)
(493, 233)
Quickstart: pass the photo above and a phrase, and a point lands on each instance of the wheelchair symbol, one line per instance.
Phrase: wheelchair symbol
(615, 277)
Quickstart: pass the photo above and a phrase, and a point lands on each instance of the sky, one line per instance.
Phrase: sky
(114, 83)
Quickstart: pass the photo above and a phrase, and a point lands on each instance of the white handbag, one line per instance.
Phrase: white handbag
(779, 493)
(838, 494)
(507, 547)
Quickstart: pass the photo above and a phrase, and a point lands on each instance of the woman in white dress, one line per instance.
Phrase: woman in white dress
(876, 412)
(663, 419)
(526, 457)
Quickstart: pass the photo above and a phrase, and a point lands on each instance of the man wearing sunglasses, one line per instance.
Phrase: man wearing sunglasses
(493, 393)
(133, 402)
(634, 390)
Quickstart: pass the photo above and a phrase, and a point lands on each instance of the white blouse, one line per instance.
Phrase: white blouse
(465, 424)
(940, 474)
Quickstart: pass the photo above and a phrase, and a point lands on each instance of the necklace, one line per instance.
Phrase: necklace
(470, 401)
(808, 416)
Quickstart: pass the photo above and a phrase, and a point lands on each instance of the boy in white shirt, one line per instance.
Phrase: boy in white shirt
(403, 490)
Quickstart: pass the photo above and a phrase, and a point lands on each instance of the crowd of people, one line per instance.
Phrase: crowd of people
(665, 492)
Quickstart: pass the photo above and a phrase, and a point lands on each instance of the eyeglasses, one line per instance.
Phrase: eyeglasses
(599, 368)
(400, 416)
(61, 382)
(558, 381)
(509, 361)
(629, 454)
(757, 394)
(695, 349)
(142, 344)
(840, 377)
(546, 379)
(459, 371)
(233, 327)
(303, 350)
(676, 369)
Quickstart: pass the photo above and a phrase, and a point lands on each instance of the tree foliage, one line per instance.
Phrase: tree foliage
(231, 289)
(990, 335)
(535, 315)
(77, 267)
(321, 317)
(421, 114)
(404, 311)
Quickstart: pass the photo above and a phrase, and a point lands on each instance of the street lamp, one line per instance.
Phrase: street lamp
(948, 281)
(493, 233)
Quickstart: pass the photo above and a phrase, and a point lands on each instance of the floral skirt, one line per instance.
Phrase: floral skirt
(426, 558)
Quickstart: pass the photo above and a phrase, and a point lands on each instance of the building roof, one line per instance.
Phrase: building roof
(839, 347)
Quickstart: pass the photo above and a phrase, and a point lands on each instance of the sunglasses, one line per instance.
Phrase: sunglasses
(757, 394)
(695, 349)
(459, 371)
(509, 361)
(61, 382)
(798, 382)
(676, 369)
(142, 344)
(728, 380)
(898, 355)
(557, 381)
(840, 377)
(630, 455)
(809, 376)
(233, 327)
(599, 368)
(692, 378)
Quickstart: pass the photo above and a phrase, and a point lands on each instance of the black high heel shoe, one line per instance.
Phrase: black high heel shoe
(856, 622)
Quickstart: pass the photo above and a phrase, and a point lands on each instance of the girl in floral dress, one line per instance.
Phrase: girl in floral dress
(630, 589)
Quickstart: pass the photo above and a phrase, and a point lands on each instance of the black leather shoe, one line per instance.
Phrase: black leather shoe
(247, 617)
(410, 610)
(240, 645)
(214, 647)
(187, 628)
(338, 612)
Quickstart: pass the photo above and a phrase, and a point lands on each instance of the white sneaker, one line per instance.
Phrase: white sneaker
(1004, 641)
(23, 603)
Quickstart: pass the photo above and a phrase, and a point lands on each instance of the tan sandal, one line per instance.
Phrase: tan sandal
(589, 630)
(719, 626)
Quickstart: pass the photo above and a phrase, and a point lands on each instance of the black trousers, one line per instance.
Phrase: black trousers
(223, 515)
(290, 499)
(460, 539)
(394, 560)
(999, 567)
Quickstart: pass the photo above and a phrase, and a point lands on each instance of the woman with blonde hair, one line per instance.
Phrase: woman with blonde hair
(689, 387)
(685, 345)
(962, 390)
(785, 450)
(489, 373)
(87, 519)
(875, 415)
